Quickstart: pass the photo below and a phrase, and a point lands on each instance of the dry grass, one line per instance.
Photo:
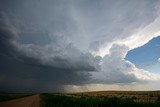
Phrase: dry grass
(138, 96)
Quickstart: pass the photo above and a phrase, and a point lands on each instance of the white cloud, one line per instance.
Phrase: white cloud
(158, 59)
(116, 69)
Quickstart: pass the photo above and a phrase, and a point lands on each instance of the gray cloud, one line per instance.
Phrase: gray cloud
(109, 21)
(32, 67)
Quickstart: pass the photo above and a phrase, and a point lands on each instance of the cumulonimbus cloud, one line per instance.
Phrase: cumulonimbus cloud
(73, 42)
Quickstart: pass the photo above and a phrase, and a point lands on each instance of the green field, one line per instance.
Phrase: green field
(102, 99)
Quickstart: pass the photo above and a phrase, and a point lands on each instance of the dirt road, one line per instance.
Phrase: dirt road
(31, 101)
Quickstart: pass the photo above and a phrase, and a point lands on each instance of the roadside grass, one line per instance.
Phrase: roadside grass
(87, 100)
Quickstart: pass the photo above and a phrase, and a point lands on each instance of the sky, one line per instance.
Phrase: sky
(79, 45)
(147, 56)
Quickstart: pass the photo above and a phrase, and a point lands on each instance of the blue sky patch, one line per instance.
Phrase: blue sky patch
(146, 56)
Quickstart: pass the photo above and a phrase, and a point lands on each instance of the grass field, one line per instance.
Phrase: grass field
(94, 99)
(102, 99)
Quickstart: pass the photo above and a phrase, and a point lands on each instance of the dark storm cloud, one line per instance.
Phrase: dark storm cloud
(39, 67)
(7, 35)
(22, 77)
